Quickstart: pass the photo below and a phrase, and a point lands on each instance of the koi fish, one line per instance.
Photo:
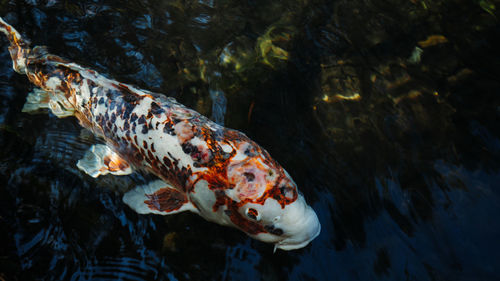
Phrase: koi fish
(202, 167)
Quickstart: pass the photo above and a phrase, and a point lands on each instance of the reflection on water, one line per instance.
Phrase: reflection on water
(384, 112)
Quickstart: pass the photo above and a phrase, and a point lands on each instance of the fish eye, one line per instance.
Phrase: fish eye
(253, 214)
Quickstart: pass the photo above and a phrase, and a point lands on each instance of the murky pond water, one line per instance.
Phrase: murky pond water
(385, 113)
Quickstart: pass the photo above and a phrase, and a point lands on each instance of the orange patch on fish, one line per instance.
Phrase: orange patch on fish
(115, 163)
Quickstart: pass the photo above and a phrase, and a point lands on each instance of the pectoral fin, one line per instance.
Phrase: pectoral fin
(158, 197)
(101, 160)
(39, 99)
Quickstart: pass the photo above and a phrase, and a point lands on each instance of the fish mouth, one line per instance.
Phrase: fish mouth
(291, 244)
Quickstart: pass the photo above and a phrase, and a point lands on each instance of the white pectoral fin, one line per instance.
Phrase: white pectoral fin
(102, 160)
(39, 99)
(36, 100)
(158, 197)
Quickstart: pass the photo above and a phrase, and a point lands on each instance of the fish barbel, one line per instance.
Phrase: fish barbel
(202, 167)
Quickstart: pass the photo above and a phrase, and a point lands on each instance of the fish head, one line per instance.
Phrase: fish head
(266, 203)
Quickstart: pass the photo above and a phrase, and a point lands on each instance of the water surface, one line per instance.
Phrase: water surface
(385, 113)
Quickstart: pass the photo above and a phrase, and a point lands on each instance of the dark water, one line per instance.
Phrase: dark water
(386, 113)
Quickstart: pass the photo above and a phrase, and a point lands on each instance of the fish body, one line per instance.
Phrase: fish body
(201, 166)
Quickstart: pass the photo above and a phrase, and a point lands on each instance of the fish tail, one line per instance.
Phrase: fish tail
(19, 47)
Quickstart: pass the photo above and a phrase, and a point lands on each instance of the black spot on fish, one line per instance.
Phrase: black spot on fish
(113, 117)
(149, 115)
(101, 100)
(145, 144)
(151, 156)
(169, 130)
(176, 161)
(126, 125)
(156, 109)
(192, 150)
(131, 97)
(167, 161)
(128, 111)
(187, 147)
(145, 158)
(271, 229)
(145, 129)
(277, 231)
(139, 156)
(153, 148)
(133, 128)
(133, 117)
(120, 109)
(250, 176)
(112, 105)
(142, 120)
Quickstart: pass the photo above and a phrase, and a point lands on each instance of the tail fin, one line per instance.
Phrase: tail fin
(19, 48)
